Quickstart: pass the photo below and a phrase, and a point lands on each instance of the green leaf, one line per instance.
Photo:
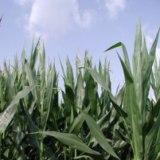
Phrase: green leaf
(119, 44)
(30, 79)
(7, 115)
(34, 55)
(70, 140)
(78, 121)
(99, 79)
(97, 133)
(125, 54)
(80, 92)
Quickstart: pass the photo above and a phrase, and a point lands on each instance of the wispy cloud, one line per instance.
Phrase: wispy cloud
(115, 6)
(83, 19)
(56, 17)
(23, 2)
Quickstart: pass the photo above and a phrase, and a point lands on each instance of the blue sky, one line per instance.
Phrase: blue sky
(69, 27)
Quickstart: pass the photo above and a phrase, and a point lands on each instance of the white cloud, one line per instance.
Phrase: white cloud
(115, 6)
(56, 17)
(82, 19)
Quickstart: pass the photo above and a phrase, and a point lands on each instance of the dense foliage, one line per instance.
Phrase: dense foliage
(84, 120)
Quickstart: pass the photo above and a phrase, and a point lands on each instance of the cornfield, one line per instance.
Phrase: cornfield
(84, 120)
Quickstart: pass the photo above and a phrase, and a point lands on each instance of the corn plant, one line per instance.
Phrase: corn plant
(142, 118)
(37, 125)
(83, 119)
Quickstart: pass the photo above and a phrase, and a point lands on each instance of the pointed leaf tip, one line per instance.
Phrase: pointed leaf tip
(119, 44)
